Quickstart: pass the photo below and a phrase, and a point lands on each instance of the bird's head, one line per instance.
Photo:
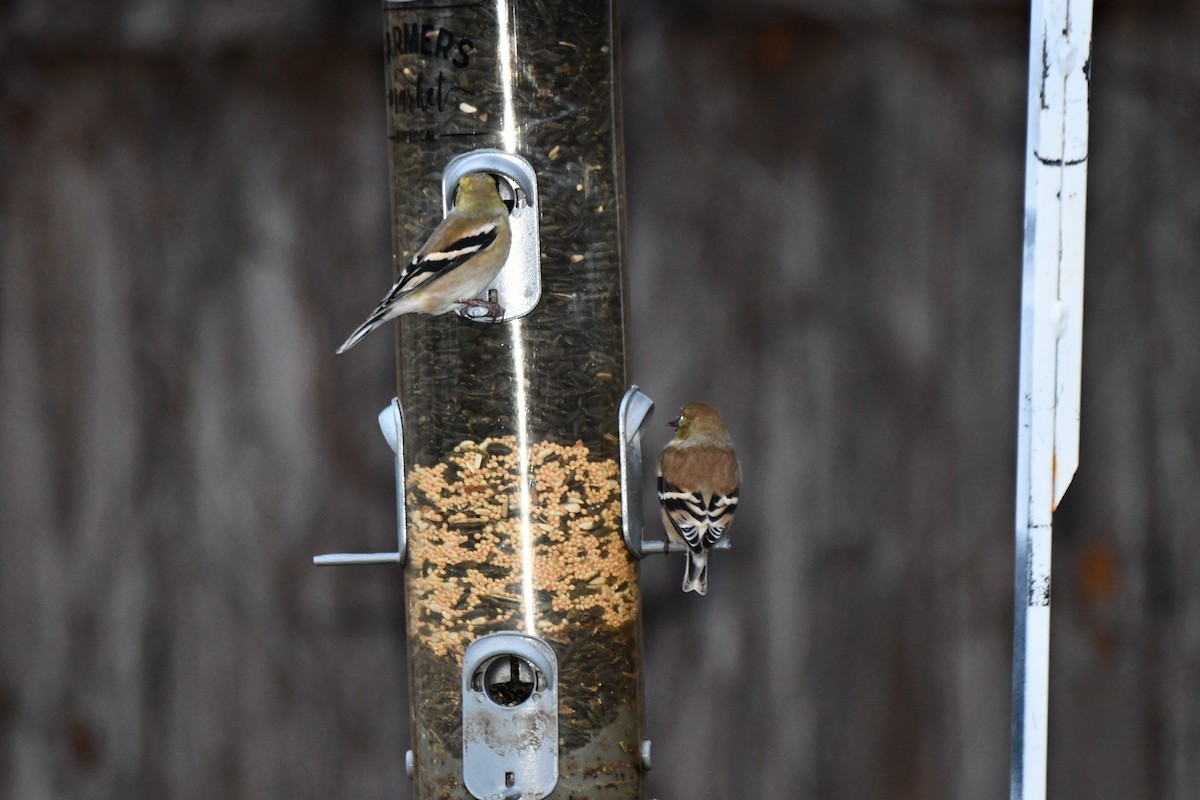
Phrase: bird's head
(699, 423)
(477, 191)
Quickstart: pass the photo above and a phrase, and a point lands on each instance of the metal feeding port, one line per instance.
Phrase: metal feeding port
(510, 717)
(518, 287)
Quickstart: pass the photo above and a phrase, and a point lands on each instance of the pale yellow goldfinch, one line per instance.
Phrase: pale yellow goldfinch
(460, 258)
(698, 480)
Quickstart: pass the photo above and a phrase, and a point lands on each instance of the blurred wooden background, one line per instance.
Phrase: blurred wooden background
(825, 219)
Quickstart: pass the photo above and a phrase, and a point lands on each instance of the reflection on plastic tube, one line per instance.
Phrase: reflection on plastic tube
(524, 446)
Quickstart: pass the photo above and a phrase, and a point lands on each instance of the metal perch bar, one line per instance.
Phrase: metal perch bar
(391, 423)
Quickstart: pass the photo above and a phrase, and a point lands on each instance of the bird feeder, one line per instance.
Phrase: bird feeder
(510, 433)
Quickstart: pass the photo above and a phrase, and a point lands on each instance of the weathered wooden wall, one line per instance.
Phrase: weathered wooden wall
(824, 205)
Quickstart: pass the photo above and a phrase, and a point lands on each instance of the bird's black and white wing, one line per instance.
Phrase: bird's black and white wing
(425, 267)
(700, 523)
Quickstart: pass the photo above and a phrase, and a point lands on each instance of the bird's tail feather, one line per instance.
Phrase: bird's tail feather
(373, 322)
(695, 575)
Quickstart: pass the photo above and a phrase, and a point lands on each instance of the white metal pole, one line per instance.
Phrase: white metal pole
(1051, 347)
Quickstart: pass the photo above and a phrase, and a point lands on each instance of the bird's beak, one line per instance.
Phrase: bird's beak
(674, 423)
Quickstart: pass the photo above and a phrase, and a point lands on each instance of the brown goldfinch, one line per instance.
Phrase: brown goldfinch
(460, 258)
(698, 479)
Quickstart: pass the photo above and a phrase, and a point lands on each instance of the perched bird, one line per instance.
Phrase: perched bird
(698, 479)
(460, 258)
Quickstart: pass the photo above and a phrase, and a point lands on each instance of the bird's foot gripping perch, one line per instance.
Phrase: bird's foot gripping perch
(477, 308)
